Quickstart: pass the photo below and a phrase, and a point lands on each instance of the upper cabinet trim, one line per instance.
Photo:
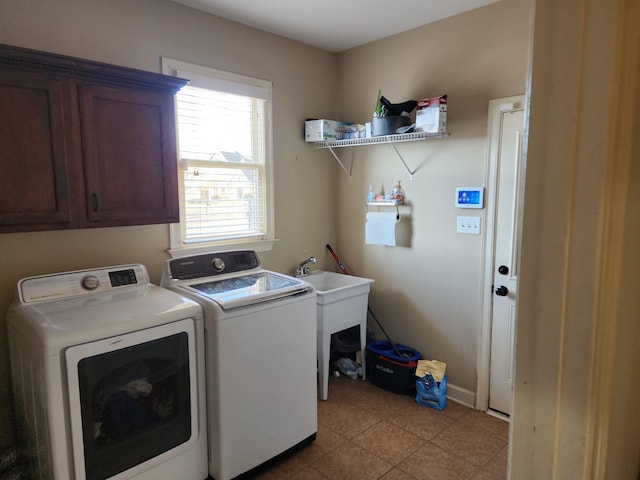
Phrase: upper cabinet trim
(78, 68)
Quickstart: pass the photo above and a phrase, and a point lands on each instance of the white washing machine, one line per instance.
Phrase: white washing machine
(108, 377)
(260, 329)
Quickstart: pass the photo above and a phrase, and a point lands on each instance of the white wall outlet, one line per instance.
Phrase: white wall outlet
(468, 225)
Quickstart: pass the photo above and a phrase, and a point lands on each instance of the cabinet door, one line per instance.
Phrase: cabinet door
(34, 180)
(128, 138)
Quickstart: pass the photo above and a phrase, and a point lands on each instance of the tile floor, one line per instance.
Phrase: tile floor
(365, 432)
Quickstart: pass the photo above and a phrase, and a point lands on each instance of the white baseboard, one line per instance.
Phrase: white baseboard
(461, 395)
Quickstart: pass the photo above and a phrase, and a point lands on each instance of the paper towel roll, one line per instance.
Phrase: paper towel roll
(380, 228)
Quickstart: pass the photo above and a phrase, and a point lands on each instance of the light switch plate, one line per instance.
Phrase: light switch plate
(469, 225)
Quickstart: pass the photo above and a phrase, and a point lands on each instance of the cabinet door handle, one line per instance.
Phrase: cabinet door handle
(94, 199)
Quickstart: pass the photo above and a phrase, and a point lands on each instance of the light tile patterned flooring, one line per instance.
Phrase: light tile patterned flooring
(365, 432)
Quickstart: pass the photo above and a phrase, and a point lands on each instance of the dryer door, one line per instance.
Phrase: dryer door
(133, 400)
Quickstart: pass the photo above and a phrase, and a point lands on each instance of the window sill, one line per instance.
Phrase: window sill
(257, 245)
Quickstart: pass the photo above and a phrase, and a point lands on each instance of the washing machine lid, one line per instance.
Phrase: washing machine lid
(249, 289)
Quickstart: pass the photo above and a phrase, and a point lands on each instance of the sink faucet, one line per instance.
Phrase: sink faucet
(302, 270)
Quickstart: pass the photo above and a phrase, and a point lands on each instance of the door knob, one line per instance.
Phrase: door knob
(502, 291)
(503, 269)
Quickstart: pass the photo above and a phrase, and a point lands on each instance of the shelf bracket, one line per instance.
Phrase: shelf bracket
(403, 162)
(348, 172)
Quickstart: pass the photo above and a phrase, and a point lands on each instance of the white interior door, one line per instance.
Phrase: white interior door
(505, 256)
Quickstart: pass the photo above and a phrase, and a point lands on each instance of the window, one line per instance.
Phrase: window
(224, 172)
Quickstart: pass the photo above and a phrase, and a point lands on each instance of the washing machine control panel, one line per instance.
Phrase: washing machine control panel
(81, 282)
(211, 264)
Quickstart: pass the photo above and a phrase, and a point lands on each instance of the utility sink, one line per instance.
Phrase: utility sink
(342, 302)
(332, 287)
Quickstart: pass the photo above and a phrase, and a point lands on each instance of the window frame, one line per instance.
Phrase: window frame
(206, 77)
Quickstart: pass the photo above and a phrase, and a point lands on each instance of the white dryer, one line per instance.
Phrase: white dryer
(260, 329)
(108, 377)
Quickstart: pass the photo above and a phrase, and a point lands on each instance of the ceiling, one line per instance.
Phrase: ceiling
(335, 25)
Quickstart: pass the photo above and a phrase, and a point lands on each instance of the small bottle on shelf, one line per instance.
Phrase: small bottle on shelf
(370, 195)
(397, 193)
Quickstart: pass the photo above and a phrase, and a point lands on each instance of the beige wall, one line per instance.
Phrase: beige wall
(428, 295)
(137, 34)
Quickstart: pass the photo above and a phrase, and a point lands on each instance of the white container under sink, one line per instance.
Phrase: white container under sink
(342, 302)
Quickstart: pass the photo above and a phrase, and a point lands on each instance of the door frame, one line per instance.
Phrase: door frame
(496, 108)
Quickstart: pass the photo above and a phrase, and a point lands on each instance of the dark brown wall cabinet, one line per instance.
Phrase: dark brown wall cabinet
(84, 144)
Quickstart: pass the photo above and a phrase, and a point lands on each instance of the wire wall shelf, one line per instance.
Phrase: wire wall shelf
(390, 139)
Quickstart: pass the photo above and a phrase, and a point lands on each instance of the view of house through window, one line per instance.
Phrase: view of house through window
(222, 122)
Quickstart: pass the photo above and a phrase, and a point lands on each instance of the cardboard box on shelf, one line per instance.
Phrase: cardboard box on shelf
(322, 130)
(431, 115)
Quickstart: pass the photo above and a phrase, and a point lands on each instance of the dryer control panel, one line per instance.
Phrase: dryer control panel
(80, 282)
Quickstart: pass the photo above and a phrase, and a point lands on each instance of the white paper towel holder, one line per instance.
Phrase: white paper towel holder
(385, 204)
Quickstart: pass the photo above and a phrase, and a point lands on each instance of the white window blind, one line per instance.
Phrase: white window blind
(223, 174)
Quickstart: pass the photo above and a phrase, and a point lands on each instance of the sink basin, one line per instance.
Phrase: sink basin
(332, 287)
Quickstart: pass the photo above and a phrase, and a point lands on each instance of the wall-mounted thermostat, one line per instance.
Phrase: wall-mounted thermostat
(469, 197)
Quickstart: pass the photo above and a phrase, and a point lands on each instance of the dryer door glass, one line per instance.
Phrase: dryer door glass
(135, 404)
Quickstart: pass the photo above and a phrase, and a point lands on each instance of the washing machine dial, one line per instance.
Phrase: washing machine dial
(217, 264)
(90, 282)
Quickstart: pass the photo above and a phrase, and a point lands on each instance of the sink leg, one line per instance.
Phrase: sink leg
(363, 347)
(324, 343)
